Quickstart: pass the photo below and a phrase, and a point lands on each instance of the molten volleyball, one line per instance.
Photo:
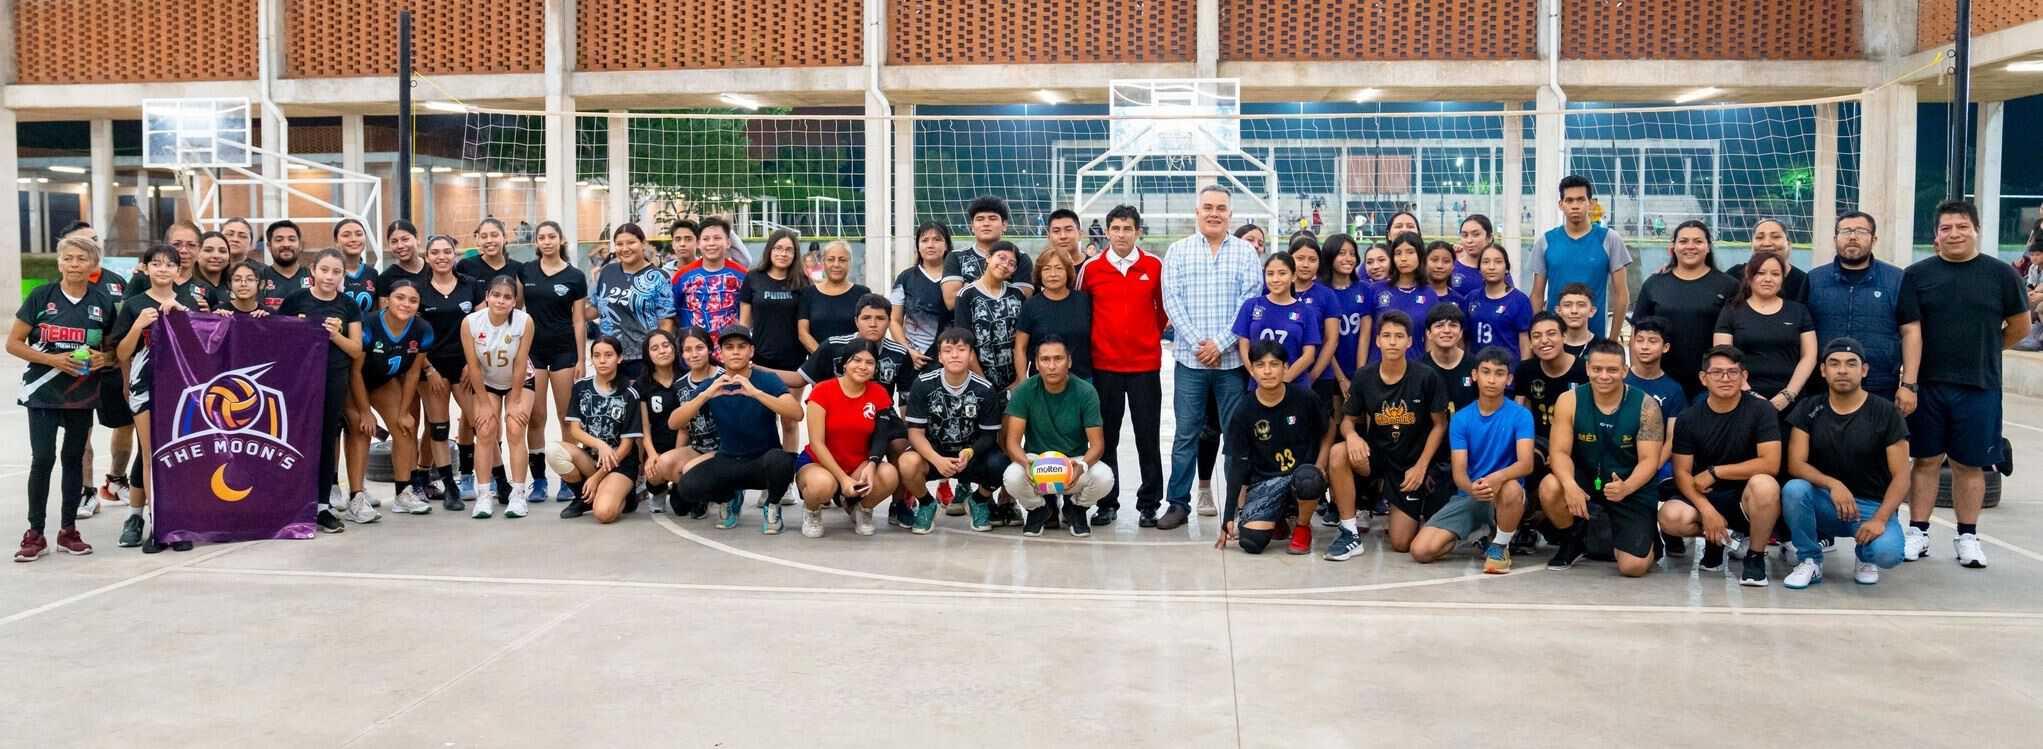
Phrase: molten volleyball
(1051, 473)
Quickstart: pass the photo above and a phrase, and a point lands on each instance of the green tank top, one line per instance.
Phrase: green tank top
(1605, 444)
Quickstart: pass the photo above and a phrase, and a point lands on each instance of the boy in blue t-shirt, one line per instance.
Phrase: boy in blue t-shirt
(1491, 445)
(747, 405)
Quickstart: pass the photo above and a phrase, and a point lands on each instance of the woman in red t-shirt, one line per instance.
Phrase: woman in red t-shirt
(843, 461)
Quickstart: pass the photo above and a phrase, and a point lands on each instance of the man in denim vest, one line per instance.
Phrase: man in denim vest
(1856, 296)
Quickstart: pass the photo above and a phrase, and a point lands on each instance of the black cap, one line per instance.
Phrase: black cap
(1844, 345)
(734, 331)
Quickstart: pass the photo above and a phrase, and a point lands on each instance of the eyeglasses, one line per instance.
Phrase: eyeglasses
(1854, 231)
(1723, 373)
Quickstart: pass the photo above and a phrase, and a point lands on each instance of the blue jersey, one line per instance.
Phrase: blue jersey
(1673, 400)
(1467, 279)
(1355, 304)
(1491, 441)
(1325, 304)
(1497, 322)
(387, 353)
(1413, 302)
(360, 286)
(1296, 325)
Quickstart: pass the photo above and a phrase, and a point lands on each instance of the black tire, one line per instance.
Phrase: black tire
(1944, 488)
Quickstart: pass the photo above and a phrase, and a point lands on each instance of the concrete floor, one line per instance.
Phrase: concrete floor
(446, 631)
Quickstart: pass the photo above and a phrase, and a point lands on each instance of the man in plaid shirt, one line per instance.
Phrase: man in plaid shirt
(1206, 278)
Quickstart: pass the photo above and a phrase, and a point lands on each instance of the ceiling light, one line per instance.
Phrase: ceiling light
(447, 106)
(442, 169)
(1698, 95)
(2026, 66)
(22, 180)
(740, 101)
(581, 183)
(471, 175)
(1366, 94)
(62, 169)
(1049, 97)
(521, 178)
(494, 175)
(42, 180)
(170, 188)
(418, 170)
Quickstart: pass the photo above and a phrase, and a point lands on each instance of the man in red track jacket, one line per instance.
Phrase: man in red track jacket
(1126, 285)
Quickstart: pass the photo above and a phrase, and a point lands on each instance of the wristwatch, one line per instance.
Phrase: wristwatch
(1713, 474)
(1910, 387)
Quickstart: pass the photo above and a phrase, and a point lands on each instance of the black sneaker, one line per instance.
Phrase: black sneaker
(1674, 546)
(1382, 507)
(1570, 552)
(330, 522)
(131, 532)
(1754, 574)
(1074, 519)
(1329, 516)
(1524, 542)
(1146, 520)
(574, 509)
(454, 503)
(1713, 557)
(1104, 516)
(1039, 517)
(1174, 518)
(149, 546)
(181, 545)
(1009, 513)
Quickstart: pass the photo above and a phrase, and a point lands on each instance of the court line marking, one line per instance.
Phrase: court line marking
(118, 584)
(1125, 597)
(1091, 541)
(513, 646)
(2019, 425)
(2033, 556)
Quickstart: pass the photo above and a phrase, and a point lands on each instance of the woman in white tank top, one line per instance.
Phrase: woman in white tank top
(497, 340)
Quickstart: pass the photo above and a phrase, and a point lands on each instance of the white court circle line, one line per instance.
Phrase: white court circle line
(1092, 541)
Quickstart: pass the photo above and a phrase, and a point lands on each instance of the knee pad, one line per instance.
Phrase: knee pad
(557, 459)
(1308, 483)
(1254, 541)
(439, 430)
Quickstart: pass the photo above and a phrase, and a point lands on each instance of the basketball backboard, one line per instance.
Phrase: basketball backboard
(195, 133)
(1193, 116)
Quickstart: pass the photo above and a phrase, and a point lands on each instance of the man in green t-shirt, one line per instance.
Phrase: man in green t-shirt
(1055, 412)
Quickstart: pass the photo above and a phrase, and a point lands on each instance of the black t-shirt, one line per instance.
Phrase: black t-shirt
(1795, 287)
(1541, 391)
(774, 309)
(830, 316)
(611, 417)
(828, 361)
(1069, 318)
(396, 273)
(1772, 344)
(551, 301)
(1580, 351)
(968, 265)
(1396, 418)
(475, 267)
(445, 311)
(1691, 309)
(923, 314)
(992, 320)
(659, 400)
(1458, 379)
(954, 419)
(276, 286)
(1852, 448)
(1721, 439)
(701, 429)
(138, 362)
(302, 303)
(1271, 441)
(1961, 307)
(57, 325)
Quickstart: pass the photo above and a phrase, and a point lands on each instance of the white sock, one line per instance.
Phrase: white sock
(1348, 524)
(1503, 538)
(134, 512)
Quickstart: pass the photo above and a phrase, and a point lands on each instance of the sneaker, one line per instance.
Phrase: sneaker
(1345, 547)
(982, 512)
(771, 524)
(925, 518)
(1147, 519)
(943, 492)
(1674, 545)
(358, 510)
(181, 545)
(131, 532)
(787, 498)
(734, 509)
(465, 483)
(88, 505)
(898, 514)
(955, 509)
(330, 522)
(69, 540)
(1713, 557)
(659, 498)
(1301, 540)
(33, 547)
(575, 508)
(1037, 518)
(1738, 545)
(1382, 508)
(1525, 541)
(453, 502)
(1970, 554)
(1566, 556)
(408, 502)
(538, 492)
(519, 506)
(1329, 516)
(1076, 522)
(1105, 516)
(1754, 573)
(1806, 573)
(485, 504)
(1866, 573)
(1914, 543)
(1008, 513)
(114, 493)
(1789, 556)
(1173, 518)
(861, 520)
(1496, 560)
(1206, 507)
(812, 524)
(565, 494)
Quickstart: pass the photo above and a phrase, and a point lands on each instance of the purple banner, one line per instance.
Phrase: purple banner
(235, 414)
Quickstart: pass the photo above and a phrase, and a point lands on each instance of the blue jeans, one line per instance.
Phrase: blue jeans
(1811, 517)
(1188, 404)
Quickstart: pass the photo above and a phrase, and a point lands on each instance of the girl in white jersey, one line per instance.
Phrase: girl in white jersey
(497, 341)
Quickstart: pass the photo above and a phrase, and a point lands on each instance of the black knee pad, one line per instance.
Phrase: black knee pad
(1308, 483)
(439, 430)
(1253, 540)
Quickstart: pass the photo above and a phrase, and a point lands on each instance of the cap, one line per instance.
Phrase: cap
(1844, 345)
(737, 331)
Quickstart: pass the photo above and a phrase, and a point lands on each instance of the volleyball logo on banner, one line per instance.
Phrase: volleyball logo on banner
(234, 452)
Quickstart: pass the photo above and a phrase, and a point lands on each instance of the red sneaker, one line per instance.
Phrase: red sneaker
(943, 493)
(1301, 539)
(69, 540)
(33, 547)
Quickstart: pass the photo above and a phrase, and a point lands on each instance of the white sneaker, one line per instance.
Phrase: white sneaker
(788, 498)
(1808, 572)
(88, 506)
(485, 502)
(1915, 543)
(521, 496)
(359, 511)
(1737, 545)
(862, 520)
(812, 524)
(1866, 573)
(1206, 507)
(1970, 555)
(1789, 556)
(410, 503)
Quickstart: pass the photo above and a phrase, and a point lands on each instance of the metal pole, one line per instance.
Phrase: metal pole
(1961, 95)
(403, 172)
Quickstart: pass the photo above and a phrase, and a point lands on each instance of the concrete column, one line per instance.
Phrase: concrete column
(276, 139)
(38, 233)
(353, 137)
(1513, 186)
(904, 189)
(425, 218)
(618, 208)
(1887, 169)
(562, 194)
(1208, 31)
(1549, 161)
(146, 205)
(102, 211)
(879, 166)
(1986, 192)
(10, 196)
(1823, 226)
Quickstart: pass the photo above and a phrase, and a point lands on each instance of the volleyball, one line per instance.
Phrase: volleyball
(231, 403)
(1051, 472)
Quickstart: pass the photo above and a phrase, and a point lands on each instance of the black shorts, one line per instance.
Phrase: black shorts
(1420, 505)
(450, 367)
(1962, 423)
(554, 357)
(506, 392)
(1726, 501)
(1329, 392)
(113, 403)
(1630, 526)
(630, 466)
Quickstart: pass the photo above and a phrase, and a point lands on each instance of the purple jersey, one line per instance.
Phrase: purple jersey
(1324, 304)
(1296, 325)
(1467, 279)
(1497, 322)
(1356, 303)
(1413, 302)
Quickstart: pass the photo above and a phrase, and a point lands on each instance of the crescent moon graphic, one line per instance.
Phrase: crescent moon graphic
(223, 491)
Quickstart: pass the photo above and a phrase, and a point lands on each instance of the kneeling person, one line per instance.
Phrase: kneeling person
(1490, 444)
(1274, 439)
(1606, 453)
(846, 460)
(1846, 449)
(1055, 412)
(953, 418)
(1727, 448)
(597, 459)
(745, 404)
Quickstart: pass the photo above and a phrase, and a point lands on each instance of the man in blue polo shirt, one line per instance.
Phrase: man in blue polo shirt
(1584, 252)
